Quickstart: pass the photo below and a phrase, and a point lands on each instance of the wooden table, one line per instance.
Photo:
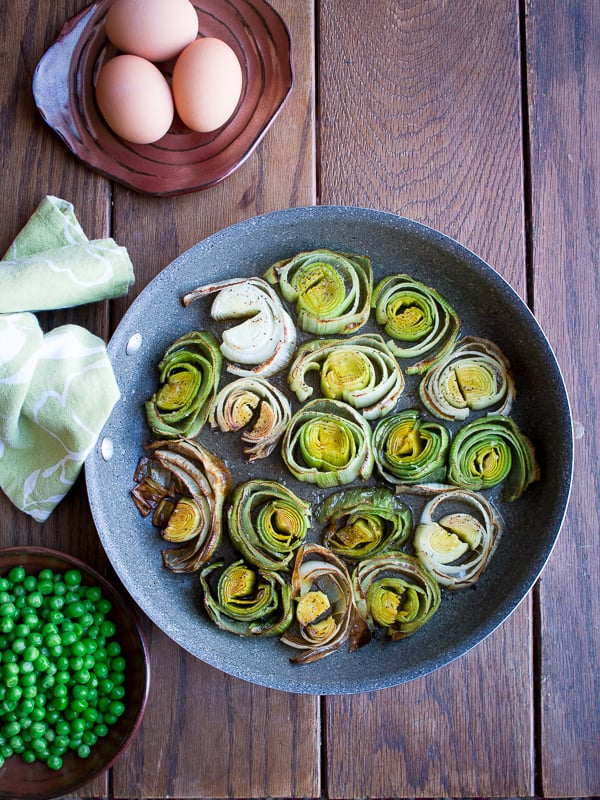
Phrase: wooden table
(479, 118)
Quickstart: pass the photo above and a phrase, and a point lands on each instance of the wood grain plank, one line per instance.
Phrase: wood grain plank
(565, 168)
(429, 126)
(205, 734)
(34, 163)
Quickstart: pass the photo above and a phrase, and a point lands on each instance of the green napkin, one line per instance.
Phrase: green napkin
(56, 389)
(52, 264)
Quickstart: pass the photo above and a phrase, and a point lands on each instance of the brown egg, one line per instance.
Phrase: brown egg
(135, 99)
(207, 84)
(154, 29)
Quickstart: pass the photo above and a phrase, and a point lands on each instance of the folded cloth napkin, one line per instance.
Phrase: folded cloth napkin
(56, 389)
(52, 264)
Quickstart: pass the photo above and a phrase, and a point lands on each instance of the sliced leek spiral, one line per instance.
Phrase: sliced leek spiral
(360, 370)
(324, 608)
(194, 518)
(189, 373)
(456, 546)
(256, 405)
(248, 601)
(408, 449)
(395, 593)
(328, 443)
(361, 522)
(263, 343)
(418, 319)
(489, 451)
(331, 290)
(474, 375)
(267, 523)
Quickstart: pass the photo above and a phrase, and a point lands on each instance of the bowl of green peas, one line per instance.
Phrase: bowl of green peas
(74, 673)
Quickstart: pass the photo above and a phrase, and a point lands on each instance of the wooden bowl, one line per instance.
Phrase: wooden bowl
(21, 781)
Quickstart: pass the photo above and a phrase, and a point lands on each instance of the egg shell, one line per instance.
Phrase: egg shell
(207, 84)
(135, 99)
(154, 29)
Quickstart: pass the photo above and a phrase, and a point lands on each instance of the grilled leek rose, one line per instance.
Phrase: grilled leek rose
(258, 407)
(489, 451)
(267, 522)
(247, 601)
(473, 376)
(194, 484)
(360, 370)
(361, 522)
(324, 608)
(408, 449)
(331, 290)
(457, 533)
(328, 443)
(189, 373)
(418, 319)
(263, 342)
(394, 592)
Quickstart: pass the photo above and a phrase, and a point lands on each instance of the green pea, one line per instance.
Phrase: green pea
(83, 751)
(18, 646)
(6, 624)
(86, 619)
(8, 610)
(113, 649)
(117, 708)
(52, 716)
(90, 714)
(55, 762)
(35, 599)
(74, 609)
(72, 577)
(83, 676)
(13, 694)
(77, 726)
(31, 653)
(35, 639)
(62, 741)
(78, 706)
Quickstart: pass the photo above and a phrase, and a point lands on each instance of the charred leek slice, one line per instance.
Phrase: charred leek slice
(248, 601)
(475, 375)
(361, 371)
(361, 522)
(418, 319)
(328, 443)
(322, 594)
(456, 546)
(254, 404)
(267, 523)
(395, 593)
(408, 449)
(489, 451)
(189, 374)
(331, 290)
(263, 343)
(203, 483)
